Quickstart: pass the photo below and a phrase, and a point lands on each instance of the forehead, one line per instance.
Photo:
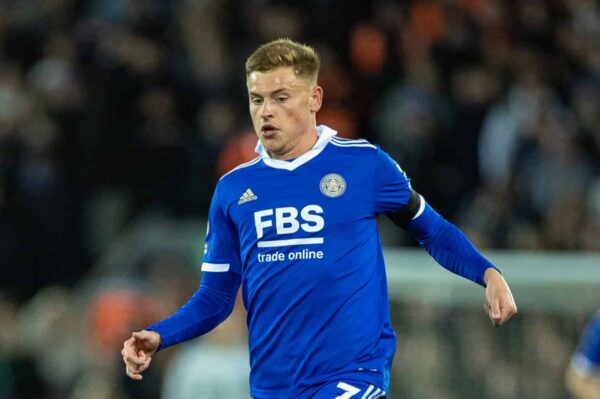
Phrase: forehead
(276, 79)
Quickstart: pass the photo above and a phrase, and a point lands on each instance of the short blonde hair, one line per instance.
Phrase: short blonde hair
(285, 53)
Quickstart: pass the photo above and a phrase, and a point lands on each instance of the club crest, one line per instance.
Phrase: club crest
(333, 185)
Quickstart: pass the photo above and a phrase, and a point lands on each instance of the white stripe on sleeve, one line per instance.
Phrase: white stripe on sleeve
(215, 267)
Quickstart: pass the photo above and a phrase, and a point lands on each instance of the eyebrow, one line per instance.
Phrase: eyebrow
(273, 93)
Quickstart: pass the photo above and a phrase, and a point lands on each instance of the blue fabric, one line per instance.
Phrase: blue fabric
(357, 388)
(587, 356)
(303, 238)
(308, 249)
(339, 388)
(222, 241)
(211, 304)
(448, 245)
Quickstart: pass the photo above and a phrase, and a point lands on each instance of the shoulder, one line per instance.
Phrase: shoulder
(359, 148)
(240, 171)
(353, 144)
(234, 183)
(230, 184)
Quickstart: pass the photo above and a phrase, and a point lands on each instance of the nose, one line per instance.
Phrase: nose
(266, 110)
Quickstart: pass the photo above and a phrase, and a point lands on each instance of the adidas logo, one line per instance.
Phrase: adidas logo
(247, 196)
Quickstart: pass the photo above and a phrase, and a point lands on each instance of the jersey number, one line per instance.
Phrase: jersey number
(350, 390)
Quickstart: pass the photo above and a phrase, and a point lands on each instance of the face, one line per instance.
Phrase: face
(283, 108)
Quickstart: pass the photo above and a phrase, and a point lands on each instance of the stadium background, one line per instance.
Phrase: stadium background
(117, 117)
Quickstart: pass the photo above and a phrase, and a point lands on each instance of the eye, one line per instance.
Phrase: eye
(281, 99)
(256, 100)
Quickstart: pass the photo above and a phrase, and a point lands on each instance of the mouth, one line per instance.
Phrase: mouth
(268, 130)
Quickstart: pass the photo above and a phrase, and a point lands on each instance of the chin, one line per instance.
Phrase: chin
(273, 149)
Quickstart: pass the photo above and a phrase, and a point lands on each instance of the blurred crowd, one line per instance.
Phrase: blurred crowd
(114, 110)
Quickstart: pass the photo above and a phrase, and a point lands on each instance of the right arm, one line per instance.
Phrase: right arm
(207, 308)
(212, 303)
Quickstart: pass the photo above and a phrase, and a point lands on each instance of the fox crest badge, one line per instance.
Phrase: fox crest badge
(333, 185)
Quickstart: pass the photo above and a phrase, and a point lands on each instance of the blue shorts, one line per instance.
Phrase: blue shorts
(344, 389)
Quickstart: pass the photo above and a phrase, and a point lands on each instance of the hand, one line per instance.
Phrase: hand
(138, 351)
(500, 304)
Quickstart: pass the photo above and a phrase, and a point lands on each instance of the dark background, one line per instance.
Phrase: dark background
(116, 111)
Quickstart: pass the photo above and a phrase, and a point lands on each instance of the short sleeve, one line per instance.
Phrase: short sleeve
(392, 186)
(221, 248)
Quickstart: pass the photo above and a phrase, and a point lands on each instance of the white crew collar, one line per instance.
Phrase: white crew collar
(325, 134)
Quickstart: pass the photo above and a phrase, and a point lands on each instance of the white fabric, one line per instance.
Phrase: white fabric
(325, 134)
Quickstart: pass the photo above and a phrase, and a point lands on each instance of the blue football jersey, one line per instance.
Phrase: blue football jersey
(303, 236)
(587, 357)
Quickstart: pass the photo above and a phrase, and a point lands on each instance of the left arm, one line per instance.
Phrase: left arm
(453, 250)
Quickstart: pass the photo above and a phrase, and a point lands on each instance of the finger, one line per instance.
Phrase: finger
(131, 357)
(132, 354)
(495, 308)
(508, 311)
(141, 337)
(135, 363)
(127, 344)
(130, 344)
(141, 367)
(144, 340)
(488, 310)
(134, 371)
(133, 374)
(135, 367)
(144, 366)
(506, 314)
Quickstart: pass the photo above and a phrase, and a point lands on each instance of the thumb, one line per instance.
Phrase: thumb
(141, 340)
(145, 340)
(139, 336)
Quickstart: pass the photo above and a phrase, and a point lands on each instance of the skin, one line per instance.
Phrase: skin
(285, 102)
(500, 304)
(137, 352)
(289, 104)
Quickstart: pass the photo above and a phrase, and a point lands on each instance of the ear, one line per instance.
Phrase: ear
(316, 98)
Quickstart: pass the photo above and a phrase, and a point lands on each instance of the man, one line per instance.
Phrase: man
(296, 227)
(583, 374)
